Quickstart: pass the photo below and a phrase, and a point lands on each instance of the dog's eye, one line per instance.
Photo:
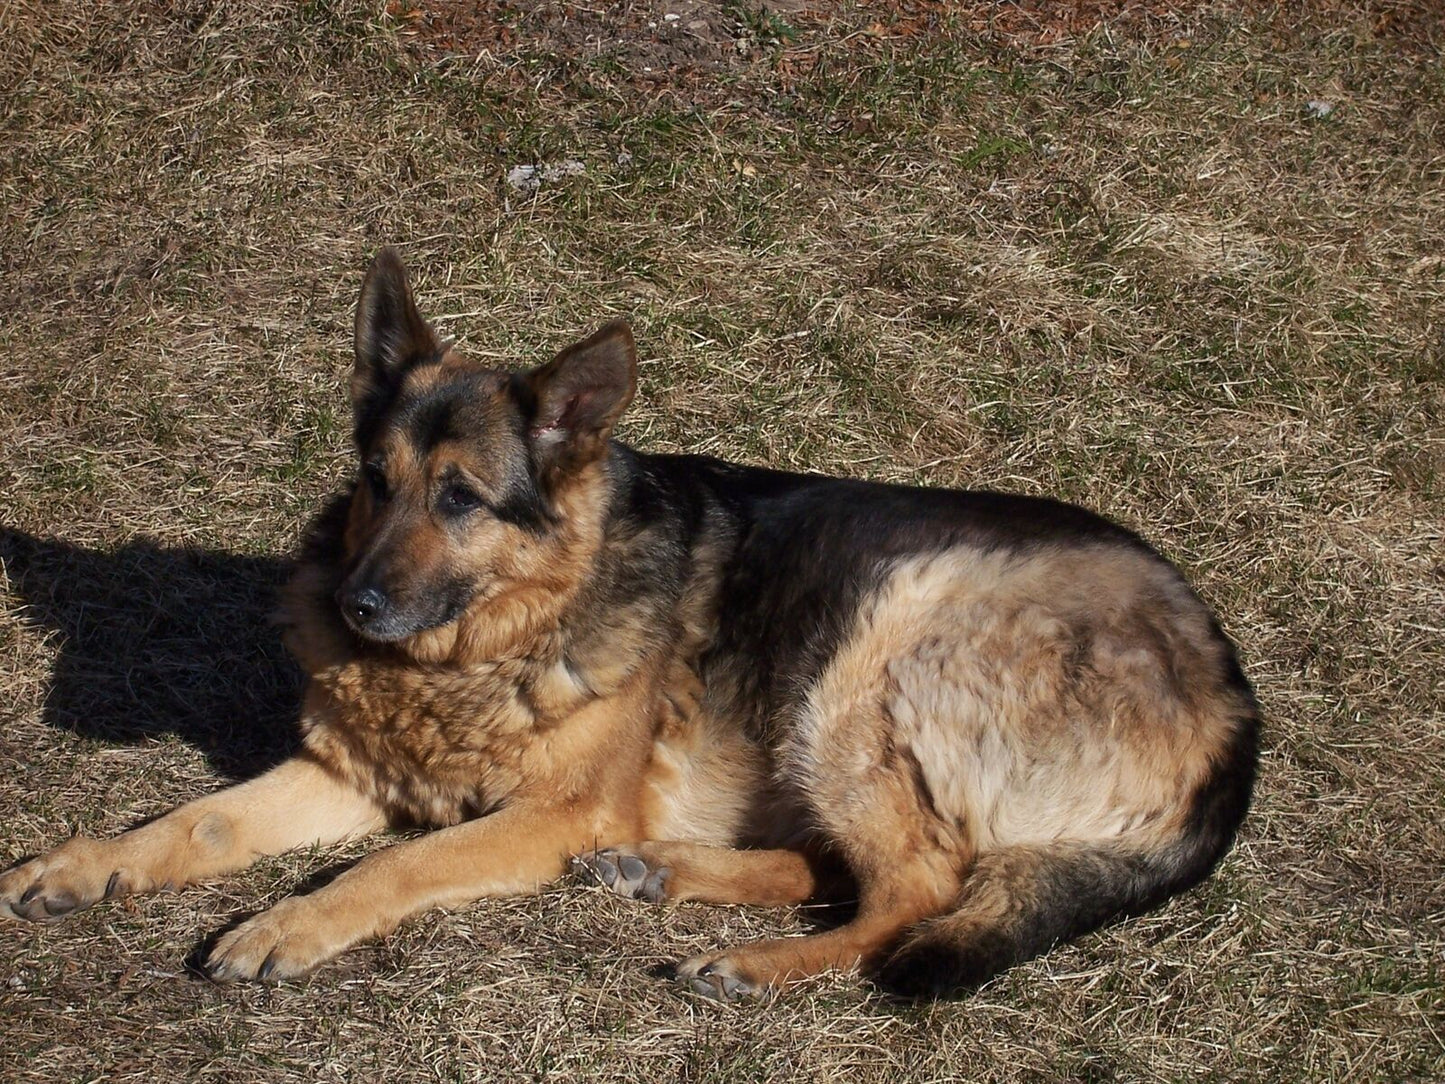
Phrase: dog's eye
(458, 500)
(375, 480)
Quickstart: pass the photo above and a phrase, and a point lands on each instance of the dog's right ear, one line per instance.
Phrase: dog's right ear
(391, 335)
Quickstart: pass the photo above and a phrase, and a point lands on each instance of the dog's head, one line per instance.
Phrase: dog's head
(475, 485)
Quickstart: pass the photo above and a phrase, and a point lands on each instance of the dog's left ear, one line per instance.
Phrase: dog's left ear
(579, 395)
(391, 335)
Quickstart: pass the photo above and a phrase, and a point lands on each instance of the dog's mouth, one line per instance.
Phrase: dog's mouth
(386, 622)
(379, 632)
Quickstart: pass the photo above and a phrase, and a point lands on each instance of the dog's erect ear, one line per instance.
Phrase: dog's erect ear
(391, 335)
(579, 396)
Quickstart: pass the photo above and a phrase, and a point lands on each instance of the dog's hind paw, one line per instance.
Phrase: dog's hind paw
(719, 978)
(625, 872)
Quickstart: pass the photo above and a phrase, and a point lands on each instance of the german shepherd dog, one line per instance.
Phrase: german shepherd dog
(992, 721)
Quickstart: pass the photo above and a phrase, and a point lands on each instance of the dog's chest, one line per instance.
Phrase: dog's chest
(434, 745)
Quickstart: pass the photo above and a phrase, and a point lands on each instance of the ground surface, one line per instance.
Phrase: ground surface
(1183, 267)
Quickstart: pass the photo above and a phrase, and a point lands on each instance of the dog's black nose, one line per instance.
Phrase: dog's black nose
(363, 605)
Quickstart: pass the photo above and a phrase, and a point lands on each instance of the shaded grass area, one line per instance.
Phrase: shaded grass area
(1134, 269)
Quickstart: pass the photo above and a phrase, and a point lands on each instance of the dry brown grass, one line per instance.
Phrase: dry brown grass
(1128, 268)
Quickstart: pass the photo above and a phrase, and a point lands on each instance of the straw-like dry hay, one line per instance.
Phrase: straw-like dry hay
(1131, 265)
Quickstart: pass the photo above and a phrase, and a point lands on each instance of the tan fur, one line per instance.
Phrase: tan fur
(442, 742)
(1003, 741)
(899, 762)
(296, 804)
(989, 711)
(949, 727)
(917, 756)
(695, 871)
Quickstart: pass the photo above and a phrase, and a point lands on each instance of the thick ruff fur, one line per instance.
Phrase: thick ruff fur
(994, 722)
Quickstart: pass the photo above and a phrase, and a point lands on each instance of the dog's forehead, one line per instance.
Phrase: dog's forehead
(444, 404)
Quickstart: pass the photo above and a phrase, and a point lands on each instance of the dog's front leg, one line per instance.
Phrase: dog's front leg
(513, 851)
(294, 804)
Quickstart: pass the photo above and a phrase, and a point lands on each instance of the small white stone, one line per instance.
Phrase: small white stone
(524, 178)
(568, 167)
(531, 177)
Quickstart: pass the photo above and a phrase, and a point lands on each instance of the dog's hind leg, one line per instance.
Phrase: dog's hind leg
(658, 871)
(907, 868)
(868, 793)
(885, 913)
(295, 804)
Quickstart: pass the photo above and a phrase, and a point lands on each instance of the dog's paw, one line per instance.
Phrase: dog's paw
(625, 872)
(68, 879)
(282, 943)
(718, 977)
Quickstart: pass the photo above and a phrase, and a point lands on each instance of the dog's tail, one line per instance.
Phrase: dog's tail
(1019, 901)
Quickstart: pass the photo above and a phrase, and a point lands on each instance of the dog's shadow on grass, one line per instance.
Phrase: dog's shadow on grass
(156, 641)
